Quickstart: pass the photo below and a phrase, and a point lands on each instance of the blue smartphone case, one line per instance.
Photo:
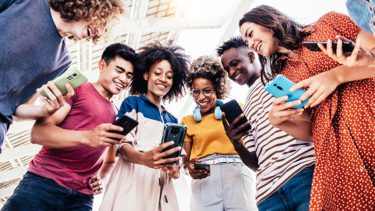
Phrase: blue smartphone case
(280, 86)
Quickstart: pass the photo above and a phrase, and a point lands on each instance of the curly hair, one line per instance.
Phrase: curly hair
(100, 12)
(210, 68)
(156, 52)
(289, 34)
(233, 42)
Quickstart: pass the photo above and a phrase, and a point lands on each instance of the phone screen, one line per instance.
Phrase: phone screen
(232, 110)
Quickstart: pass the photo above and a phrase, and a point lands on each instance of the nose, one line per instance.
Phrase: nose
(250, 43)
(200, 96)
(232, 70)
(163, 77)
(100, 31)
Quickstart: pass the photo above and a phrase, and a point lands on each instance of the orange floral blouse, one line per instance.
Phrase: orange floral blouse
(343, 126)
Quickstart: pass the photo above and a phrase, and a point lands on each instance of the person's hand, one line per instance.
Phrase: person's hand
(319, 87)
(96, 184)
(358, 56)
(154, 158)
(103, 135)
(236, 130)
(55, 99)
(282, 111)
(195, 173)
(173, 171)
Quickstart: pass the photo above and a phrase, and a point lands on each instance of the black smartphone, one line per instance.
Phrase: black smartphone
(313, 46)
(202, 166)
(232, 110)
(127, 123)
(176, 133)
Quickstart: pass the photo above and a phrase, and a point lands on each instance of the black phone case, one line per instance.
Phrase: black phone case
(201, 166)
(176, 133)
(127, 123)
(313, 46)
(232, 110)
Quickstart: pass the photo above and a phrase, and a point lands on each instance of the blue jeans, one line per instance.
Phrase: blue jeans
(39, 193)
(293, 195)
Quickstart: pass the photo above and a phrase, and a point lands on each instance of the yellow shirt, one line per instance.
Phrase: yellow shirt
(208, 137)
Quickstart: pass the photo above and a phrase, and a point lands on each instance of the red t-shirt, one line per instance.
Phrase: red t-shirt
(71, 167)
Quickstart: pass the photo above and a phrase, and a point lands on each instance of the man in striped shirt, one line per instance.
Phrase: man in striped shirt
(283, 163)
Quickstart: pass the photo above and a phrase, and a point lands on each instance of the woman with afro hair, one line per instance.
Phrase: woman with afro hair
(220, 179)
(141, 178)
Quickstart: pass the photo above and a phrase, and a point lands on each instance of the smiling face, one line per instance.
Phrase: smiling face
(81, 30)
(259, 38)
(159, 79)
(240, 65)
(204, 95)
(116, 76)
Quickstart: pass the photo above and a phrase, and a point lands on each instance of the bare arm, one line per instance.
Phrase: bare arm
(295, 122)
(109, 161)
(236, 132)
(28, 110)
(46, 132)
(153, 158)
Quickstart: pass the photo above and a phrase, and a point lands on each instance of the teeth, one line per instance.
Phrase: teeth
(120, 86)
(237, 76)
(161, 86)
(203, 104)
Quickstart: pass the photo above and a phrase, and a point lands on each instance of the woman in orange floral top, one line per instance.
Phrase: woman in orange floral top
(341, 107)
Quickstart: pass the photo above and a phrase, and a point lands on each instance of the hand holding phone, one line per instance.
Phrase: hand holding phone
(313, 46)
(127, 123)
(280, 87)
(202, 167)
(176, 133)
(73, 77)
(232, 110)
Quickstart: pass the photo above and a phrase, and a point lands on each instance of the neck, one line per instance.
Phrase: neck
(59, 22)
(154, 99)
(102, 91)
(253, 79)
(291, 54)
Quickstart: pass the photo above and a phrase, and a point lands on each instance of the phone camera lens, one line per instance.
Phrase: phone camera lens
(74, 74)
(280, 88)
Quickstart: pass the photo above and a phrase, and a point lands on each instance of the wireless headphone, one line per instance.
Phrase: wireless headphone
(198, 116)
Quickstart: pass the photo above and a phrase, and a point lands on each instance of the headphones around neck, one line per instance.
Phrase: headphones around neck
(218, 115)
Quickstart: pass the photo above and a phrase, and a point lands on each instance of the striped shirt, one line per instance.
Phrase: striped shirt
(280, 156)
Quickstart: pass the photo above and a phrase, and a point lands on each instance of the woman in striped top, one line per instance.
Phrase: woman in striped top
(284, 164)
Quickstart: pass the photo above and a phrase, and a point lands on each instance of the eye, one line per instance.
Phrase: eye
(251, 34)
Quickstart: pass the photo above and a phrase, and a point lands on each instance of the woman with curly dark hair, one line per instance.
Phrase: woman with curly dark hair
(33, 50)
(141, 179)
(211, 157)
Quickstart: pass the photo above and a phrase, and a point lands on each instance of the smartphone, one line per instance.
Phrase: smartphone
(127, 123)
(176, 133)
(73, 77)
(280, 86)
(313, 46)
(232, 110)
(202, 166)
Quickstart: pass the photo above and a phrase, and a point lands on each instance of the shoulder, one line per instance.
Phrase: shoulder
(334, 17)
(189, 119)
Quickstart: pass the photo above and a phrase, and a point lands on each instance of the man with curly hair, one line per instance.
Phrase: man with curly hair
(33, 50)
(228, 183)
(283, 164)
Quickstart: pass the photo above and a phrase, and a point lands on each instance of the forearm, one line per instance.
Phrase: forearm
(29, 111)
(300, 130)
(131, 155)
(248, 158)
(346, 74)
(52, 136)
(109, 161)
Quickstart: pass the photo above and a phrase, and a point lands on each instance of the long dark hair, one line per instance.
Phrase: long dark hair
(289, 34)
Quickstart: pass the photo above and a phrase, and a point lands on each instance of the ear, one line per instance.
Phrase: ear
(101, 65)
(251, 56)
(145, 76)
